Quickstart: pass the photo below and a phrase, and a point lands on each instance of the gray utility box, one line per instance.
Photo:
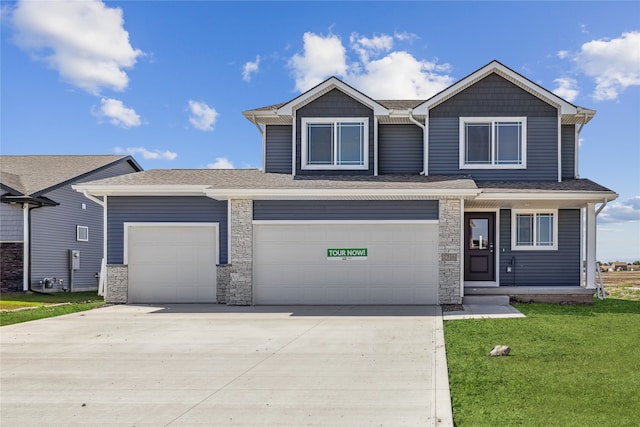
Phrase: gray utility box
(74, 259)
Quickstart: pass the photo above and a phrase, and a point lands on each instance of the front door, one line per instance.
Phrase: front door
(479, 254)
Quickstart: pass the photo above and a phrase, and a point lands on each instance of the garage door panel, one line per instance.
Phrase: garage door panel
(399, 268)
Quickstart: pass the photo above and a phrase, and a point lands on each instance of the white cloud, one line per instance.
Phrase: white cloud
(621, 211)
(563, 54)
(566, 88)
(322, 58)
(148, 154)
(220, 163)
(377, 69)
(202, 116)
(250, 68)
(613, 64)
(85, 41)
(117, 113)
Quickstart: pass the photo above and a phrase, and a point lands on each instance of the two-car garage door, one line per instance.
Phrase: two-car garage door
(292, 264)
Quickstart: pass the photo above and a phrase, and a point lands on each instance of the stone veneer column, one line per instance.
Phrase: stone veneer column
(241, 257)
(11, 267)
(117, 287)
(449, 252)
(223, 276)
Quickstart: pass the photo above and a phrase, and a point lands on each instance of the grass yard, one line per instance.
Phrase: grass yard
(23, 307)
(569, 366)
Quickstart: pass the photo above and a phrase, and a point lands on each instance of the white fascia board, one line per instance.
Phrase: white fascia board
(328, 194)
(586, 196)
(332, 82)
(494, 66)
(141, 190)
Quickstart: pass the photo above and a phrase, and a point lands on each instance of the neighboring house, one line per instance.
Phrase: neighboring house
(619, 266)
(42, 219)
(473, 191)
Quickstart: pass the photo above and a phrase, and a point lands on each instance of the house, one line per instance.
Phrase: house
(474, 191)
(43, 220)
(619, 266)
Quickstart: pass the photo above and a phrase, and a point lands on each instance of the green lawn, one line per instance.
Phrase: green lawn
(45, 305)
(569, 366)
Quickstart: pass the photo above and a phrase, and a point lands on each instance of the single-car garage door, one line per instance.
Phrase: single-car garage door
(380, 263)
(172, 263)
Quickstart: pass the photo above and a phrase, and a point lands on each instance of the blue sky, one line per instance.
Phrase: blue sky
(167, 81)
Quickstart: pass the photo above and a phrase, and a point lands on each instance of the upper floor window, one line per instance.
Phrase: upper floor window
(534, 230)
(335, 143)
(493, 142)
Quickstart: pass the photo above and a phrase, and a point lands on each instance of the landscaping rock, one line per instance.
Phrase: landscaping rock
(500, 350)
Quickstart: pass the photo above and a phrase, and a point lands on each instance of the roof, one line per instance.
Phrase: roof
(35, 175)
(539, 186)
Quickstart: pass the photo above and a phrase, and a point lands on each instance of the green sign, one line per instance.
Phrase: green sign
(347, 253)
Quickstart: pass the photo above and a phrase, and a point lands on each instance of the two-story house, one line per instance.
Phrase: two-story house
(364, 201)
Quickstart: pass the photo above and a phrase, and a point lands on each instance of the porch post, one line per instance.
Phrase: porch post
(590, 267)
(26, 239)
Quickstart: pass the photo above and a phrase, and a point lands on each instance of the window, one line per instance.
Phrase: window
(490, 143)
(330, 143)
(82, 233)
(534, 230)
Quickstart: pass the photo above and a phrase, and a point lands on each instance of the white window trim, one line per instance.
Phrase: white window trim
(514, 230)
(333, 120)
(82, 227)
(464, 120)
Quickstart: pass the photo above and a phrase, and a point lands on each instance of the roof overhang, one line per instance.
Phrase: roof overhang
(340, 194)
(540, 199)
(141, 190)
(30, 200)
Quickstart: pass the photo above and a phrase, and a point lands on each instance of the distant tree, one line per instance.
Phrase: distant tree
(636, 262)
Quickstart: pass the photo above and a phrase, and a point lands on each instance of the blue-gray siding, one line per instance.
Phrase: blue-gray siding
(162, 209)
(400, 149)
(494, 96)
(543, 268)
(278, 155)
(345, 210)
(568, 154)
(334, 103)
(11, 222)
(53, 232)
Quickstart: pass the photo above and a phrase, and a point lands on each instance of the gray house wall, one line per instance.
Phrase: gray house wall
(278, 155)
(162, 209)
(53, 233)
(543, 268)
(345, 210)
(494, 96)
(11, 223)
(568, 153)
(400, 149)
(334, 103)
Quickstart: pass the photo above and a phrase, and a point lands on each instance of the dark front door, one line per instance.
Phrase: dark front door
(479, 238)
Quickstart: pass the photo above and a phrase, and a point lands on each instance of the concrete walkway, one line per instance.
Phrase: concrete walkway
(215, 365)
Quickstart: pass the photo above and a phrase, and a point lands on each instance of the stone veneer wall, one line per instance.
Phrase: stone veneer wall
(223, 277)
(241, 257)
(117, 286)
(11, 267)
(449, 252)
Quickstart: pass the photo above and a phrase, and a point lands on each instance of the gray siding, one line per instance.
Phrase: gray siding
(543, 268)
(278, 149)
(334, 103)
(568, 137)
(11, 223)
(53, 233)
(162, 209)
(400, 149)
(345, 210)
(494, 96)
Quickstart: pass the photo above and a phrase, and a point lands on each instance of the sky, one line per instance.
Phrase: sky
(167, 81)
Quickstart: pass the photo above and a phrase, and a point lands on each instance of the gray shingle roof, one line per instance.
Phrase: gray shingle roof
(538, 186)
(29, 175)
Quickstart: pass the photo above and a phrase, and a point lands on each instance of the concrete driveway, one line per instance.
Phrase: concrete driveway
(215, 365)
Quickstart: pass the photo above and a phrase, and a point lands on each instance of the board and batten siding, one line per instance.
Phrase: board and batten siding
(278, 149)
(494, 96)
(568, 153)
(345, 210)
(543, 268)
(123, 209)
(334, 103)
(11, 223)
(53, 232)
(400, 149)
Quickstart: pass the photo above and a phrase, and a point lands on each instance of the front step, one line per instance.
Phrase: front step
(486, 299)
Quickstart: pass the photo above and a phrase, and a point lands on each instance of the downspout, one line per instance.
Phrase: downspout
(103, 263)
(577, 157)
(264, 146)
(425, 142)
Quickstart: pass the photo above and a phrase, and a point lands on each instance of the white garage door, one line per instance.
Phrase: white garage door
(172, 263)
(292, 264)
